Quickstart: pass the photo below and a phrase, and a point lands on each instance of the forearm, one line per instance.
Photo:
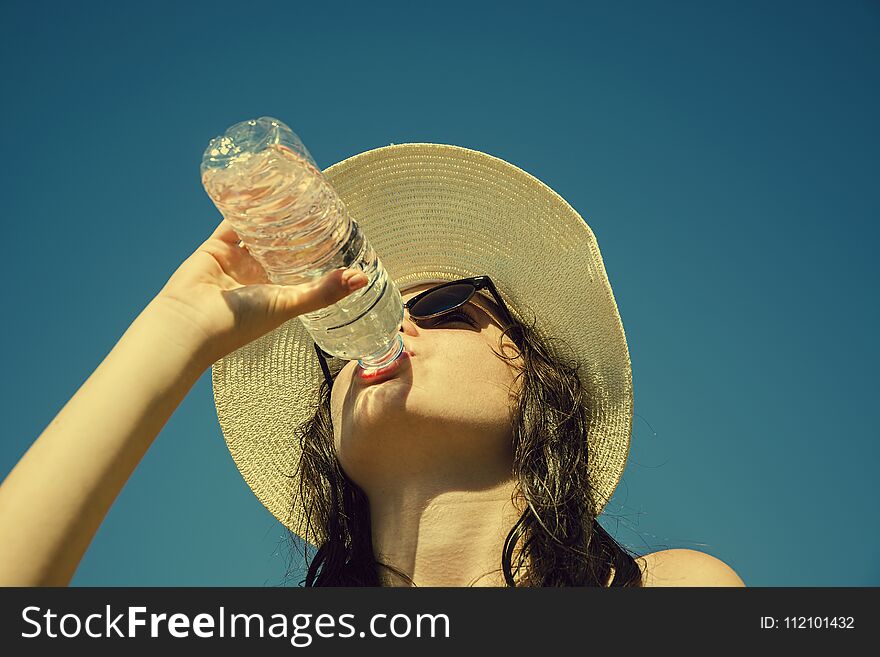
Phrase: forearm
(56, 497)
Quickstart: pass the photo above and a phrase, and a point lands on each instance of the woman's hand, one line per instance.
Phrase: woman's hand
(220, 298)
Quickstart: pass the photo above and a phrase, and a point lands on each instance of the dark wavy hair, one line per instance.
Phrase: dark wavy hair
(562, 542)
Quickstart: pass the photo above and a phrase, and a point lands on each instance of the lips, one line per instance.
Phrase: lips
(387, 372)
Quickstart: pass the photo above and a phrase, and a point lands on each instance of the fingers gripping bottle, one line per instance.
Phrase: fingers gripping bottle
(266, 184)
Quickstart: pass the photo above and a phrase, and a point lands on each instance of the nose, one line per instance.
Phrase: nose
(407, 326)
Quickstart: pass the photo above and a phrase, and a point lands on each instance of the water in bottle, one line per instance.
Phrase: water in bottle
(266, 184)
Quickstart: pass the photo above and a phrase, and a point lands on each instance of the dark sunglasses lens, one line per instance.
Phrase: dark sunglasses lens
(441, 300)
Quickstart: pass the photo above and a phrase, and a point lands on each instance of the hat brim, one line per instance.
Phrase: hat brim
(435, 213)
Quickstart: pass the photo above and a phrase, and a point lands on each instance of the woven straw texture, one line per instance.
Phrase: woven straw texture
(436, 212)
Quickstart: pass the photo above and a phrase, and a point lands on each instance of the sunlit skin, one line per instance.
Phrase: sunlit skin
(431, 448)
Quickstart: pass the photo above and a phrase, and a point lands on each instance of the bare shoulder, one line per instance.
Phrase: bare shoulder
(684, 567)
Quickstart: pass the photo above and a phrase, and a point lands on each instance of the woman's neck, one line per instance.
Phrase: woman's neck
(443, 535)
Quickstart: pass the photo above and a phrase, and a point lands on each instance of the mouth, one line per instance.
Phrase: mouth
(387, 372)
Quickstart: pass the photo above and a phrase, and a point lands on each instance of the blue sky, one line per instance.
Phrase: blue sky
(724, 154)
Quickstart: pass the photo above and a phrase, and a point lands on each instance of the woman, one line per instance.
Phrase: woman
(484, 460)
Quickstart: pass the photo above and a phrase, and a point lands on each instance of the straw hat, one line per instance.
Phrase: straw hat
(436, 213)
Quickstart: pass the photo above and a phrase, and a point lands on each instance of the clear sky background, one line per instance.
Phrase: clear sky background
(724, 154)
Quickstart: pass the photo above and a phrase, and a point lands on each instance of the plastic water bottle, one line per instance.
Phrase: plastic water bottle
(267, 185)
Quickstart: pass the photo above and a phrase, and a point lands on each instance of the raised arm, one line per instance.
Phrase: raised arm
(55, 498)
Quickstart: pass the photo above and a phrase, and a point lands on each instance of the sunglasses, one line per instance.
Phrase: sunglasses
(428, 306)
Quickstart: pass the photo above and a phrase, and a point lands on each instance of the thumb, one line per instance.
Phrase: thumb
(294, 300)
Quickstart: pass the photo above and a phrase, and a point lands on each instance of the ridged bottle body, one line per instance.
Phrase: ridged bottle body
(266, 184)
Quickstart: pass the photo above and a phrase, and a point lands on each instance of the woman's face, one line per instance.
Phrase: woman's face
(445, 412)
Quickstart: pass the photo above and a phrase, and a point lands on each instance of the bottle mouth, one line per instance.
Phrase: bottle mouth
(383, 373)
(377, 361)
